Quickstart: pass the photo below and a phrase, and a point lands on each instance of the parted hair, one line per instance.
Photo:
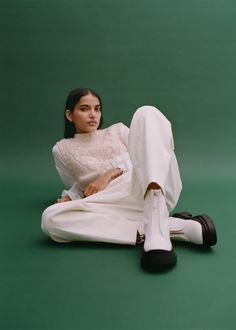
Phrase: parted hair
(72, 99)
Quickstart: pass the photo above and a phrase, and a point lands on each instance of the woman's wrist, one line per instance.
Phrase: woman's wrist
(114, 173)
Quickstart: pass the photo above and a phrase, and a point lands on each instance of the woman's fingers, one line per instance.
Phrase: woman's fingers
(63, 199)
(96, 186)
(91, 190)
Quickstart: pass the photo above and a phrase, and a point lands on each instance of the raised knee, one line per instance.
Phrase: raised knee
(149, 111)
(147, 108)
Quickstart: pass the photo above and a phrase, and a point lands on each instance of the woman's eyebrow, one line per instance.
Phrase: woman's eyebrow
(87, 105)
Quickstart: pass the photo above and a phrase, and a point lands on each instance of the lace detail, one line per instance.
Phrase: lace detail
(90, 155)
(113, 142)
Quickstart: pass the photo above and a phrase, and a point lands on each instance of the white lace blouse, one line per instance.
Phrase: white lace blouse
(82, 159)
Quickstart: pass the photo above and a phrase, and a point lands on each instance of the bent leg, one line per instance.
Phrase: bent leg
(68, 221)
(151, 149)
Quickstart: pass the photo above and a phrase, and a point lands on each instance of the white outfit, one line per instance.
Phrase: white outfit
(116, 213)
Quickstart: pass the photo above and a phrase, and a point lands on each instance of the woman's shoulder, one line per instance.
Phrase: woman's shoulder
(63, 141)
(117, 127)
(57, 148)
(119, 131)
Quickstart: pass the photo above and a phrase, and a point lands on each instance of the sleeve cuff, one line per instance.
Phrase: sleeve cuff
(73, 196)
(123, 162)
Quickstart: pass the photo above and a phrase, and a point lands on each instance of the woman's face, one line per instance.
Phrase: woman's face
(86, 115)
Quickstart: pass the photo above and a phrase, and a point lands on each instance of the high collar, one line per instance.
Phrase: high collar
(85, 137)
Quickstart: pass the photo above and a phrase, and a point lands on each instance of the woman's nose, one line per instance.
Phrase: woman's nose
(92, 113)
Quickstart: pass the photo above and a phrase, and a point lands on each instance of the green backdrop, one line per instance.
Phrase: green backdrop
(176, 55)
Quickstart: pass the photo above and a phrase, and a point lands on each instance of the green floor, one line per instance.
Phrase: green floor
(177, 55)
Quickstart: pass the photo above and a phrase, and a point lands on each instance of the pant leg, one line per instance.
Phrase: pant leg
(151, 148)
(96, 218)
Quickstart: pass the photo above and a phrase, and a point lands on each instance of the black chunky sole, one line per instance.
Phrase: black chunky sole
(208, 228)
(158, 260)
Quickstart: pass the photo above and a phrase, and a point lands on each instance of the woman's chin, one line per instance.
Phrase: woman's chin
(87, 130)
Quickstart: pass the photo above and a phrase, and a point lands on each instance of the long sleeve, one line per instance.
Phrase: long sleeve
(72, 189)
(123, 161)
(125, 134)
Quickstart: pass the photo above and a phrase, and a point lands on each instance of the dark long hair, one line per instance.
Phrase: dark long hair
(72, 99)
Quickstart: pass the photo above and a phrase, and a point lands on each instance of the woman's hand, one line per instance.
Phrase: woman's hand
(66, 198)
(101, 183)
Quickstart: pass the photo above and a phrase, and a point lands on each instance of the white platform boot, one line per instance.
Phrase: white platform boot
(198, 229)
(185, 230)
(158, 253)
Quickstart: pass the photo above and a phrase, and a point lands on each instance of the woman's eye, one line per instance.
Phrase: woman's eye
(83, 108)
(98, 109)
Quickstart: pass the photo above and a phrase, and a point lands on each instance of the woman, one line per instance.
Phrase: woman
(121, 184)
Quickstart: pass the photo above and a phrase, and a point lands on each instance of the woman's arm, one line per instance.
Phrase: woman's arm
(101, 183)
(73, 191)
(123, 161)
(62, 169)
(124, 134)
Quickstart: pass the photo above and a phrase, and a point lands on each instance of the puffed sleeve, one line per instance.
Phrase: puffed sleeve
(72, 189)
(123, 161)
(124, 134)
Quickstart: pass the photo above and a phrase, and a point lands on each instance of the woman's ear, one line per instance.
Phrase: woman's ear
(69, 115)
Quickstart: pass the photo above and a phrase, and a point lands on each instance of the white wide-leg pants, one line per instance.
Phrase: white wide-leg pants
(116, 214)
